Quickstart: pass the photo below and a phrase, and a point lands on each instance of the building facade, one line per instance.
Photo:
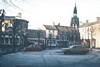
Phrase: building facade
(67, 36)
(89, 33)
(64, 36)
(51, 33)
(13, 34)
(36, 37)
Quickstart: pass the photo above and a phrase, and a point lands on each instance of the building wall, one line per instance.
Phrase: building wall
(53, 33)
(91, 31)
(36, 36)
(71, 38)
(20, 25)
(10, 38)
(97, 35)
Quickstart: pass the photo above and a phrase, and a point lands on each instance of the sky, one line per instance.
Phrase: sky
(39, 12)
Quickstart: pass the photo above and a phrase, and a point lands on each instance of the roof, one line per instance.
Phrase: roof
(21, 20)
(65, 28)
(50, 27)
(89, 24)
(60, 28)
(9, 17)
(14, 17)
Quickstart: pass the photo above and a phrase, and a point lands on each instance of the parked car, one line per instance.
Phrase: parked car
(33, 48)
(76, 49)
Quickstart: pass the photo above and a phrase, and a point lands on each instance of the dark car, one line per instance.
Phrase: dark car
(33, 47)
(76, 49)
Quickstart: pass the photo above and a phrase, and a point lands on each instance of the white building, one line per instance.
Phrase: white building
(91, 31)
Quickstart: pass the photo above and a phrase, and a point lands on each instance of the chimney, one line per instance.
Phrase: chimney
(87, 21)
(19, 15)
(98, 18)
(59, 24)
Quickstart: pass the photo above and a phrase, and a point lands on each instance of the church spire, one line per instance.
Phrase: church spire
(75, 19)
(75, 9)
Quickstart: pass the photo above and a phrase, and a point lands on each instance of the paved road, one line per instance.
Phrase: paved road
(50, 58)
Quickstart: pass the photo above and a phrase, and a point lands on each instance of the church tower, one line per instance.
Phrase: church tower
(75, 25)
(75, 19)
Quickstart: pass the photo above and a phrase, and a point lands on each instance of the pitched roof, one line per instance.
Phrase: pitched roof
(50, 27)
(65, 28)
(60, 28)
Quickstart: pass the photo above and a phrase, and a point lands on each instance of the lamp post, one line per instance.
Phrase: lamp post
(49, 39)
(2, 12)
(38, 34)
(14, 35)
(88, 36)
(92, 32)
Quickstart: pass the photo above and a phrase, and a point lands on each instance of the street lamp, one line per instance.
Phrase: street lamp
(2, 12)
(92, 29)
(88, 32)
(38, 34)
